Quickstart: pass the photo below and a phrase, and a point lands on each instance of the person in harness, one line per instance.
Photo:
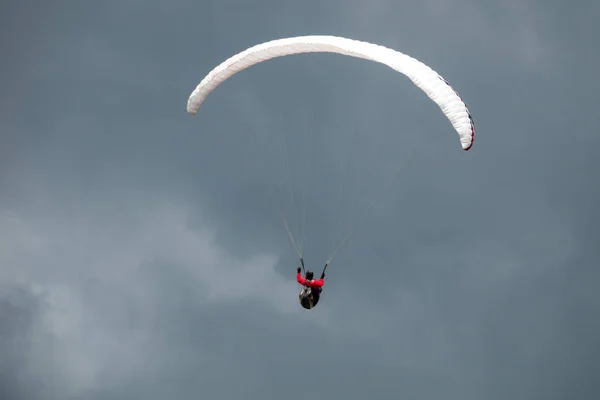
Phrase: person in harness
(311, 292)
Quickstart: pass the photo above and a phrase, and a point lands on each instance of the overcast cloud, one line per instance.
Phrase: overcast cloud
(141, 255)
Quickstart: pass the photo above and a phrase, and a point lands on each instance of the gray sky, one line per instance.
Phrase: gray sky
(141, 257)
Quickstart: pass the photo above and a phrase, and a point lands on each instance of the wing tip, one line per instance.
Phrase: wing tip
(472, 137)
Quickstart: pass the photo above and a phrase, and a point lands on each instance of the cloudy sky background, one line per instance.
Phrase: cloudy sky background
(141, 257)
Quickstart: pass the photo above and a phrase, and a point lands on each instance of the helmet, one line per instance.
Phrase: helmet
(309, 275)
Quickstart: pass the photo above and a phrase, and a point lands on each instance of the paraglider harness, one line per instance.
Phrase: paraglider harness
(309, 296)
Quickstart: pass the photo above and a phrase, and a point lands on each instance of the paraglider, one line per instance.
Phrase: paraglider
(434, 86)
(425, 78)
(310, 294)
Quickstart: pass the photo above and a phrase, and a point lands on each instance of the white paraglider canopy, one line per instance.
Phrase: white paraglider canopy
(429, 81)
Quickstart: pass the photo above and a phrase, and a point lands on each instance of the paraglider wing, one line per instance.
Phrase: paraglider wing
(420, 74)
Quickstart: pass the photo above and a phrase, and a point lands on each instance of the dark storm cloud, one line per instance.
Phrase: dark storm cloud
(140, 256)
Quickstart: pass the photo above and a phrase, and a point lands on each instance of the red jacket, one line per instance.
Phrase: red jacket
(313, 283)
